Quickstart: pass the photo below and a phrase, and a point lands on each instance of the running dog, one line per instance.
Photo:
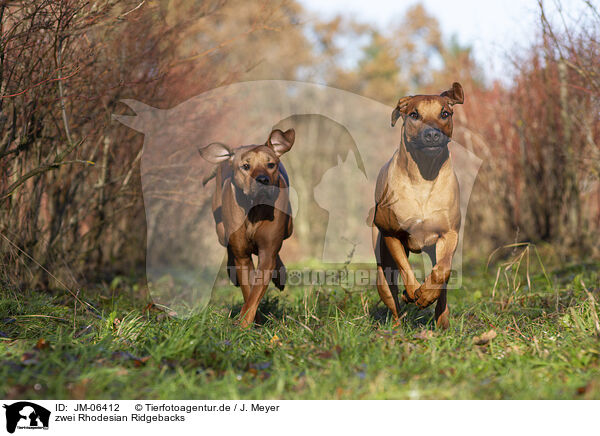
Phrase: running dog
(252, 213)
(417, 204)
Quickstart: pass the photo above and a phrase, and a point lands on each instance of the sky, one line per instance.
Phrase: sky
(496, 30)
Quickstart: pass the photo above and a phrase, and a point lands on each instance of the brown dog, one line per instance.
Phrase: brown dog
(252, 213)
(417, 205)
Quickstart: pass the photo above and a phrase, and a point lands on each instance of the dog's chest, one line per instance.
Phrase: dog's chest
(420, 212)
(423, 222)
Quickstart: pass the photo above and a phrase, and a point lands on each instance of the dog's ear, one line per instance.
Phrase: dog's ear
(400, 109)
(216, 152)
(454, 95)
(281, 142)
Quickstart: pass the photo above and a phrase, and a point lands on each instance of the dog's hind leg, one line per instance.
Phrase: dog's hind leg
(279, 274)
(441, 311)
(387, 276)
(231, 270)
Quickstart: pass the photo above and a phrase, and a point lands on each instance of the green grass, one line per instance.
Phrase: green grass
(313, 343)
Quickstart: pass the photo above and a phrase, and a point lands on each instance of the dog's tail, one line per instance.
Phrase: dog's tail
(209, 176)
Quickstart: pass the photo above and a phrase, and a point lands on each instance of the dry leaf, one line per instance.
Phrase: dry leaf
(141, 361)
(78, 390)
(485, 337)
(29, 359)
(424, 334)
(328, 354)
(42, 344)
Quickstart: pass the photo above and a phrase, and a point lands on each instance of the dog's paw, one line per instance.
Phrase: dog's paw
(406, 298)
(425, 297)
(443, 321)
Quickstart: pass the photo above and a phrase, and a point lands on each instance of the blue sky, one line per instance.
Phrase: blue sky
(495, 29)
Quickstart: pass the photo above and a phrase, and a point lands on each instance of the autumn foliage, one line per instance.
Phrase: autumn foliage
(70, 194)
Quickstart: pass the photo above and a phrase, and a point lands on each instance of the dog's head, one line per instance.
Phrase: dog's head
(428, 119)
(255, 167)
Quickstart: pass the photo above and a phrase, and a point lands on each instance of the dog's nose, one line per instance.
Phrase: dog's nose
(432, 136)
(262, 179)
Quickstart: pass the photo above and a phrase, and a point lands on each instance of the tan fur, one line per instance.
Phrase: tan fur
(248, 223)
(417, 205)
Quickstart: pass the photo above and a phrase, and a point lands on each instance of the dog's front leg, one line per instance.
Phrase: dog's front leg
(398, 253)
(262, 275)
(434, 286)
(244, 270)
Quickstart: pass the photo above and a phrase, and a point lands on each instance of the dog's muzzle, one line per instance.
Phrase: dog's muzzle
(262, 191)
(432, 141)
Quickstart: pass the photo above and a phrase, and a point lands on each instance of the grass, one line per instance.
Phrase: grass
(313, 343)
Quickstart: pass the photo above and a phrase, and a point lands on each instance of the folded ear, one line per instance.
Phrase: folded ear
(400, 109)
(281, 142)
(455, 95)
(216, 152)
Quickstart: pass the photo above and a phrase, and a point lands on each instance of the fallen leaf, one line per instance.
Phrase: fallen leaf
(589, 390)
(16, 392)
(447, 371)
(424, 334)
(485, 337)
(514, 349)
(300, 384)
(140, 361)
(42, 344)
(122, 355)
(78, 390)
(151, 307)
(328, 354)
(29, 359)
(324, 354)
(583, 389)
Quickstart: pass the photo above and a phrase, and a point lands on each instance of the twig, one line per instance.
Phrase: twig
(120, 17)
(300, 323)
(41, 316)
(42, 169)
(61, 93)
(41, 83)
(83, 303)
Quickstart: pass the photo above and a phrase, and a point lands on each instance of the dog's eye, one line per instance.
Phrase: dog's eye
(270, 165)
(445, 114)
(414, 115)
(245, 167)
